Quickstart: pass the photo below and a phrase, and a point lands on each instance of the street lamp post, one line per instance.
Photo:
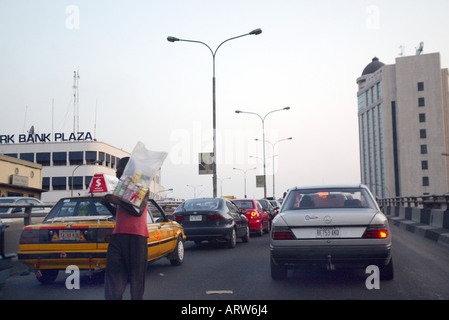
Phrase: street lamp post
(273, 145)
(73, 172)
(174, 39)
(194, 189)
(263, 138)
(221, 185)
(244, 176)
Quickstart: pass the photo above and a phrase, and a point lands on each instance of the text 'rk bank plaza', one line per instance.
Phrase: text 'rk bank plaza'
(69, 161)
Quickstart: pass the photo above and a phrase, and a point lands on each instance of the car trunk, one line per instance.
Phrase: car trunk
(200, 218)
(323, 223)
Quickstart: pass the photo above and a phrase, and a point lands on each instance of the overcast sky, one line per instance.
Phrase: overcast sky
(134, 85)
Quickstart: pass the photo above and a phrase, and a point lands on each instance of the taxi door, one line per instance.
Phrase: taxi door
(154, 238)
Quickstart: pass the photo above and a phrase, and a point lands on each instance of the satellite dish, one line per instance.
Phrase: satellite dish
(420, 49)
(31, 132)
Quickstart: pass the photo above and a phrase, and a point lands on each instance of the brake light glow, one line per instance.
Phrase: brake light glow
(254, 215)
(376, 233)
(179, 218)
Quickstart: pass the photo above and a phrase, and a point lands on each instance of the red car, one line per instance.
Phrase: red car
(259, 220)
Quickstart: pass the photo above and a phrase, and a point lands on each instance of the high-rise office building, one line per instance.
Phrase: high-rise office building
(403, 114)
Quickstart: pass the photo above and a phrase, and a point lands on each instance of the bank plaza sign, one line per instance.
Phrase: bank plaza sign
(45, 137)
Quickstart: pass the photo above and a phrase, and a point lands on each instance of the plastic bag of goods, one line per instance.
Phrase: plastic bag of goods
(138, 173)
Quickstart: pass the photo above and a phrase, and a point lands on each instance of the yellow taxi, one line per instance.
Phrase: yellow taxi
(77, 231)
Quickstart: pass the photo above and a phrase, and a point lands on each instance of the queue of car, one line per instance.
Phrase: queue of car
(331, 227)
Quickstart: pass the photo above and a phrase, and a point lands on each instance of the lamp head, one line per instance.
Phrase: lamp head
(238, 111)
(256, 31)
(172, 39)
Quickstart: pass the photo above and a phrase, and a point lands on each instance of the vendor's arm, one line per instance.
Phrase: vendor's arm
(110, 199)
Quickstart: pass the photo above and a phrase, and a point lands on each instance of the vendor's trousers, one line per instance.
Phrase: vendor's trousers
(126, 261)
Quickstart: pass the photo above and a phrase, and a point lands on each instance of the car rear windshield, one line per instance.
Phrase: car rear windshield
(78, 207)
(328, 198)
(244, 204)
(200, 204)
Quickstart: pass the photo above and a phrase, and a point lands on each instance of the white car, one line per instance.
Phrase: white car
(330, 226)
(21, 200)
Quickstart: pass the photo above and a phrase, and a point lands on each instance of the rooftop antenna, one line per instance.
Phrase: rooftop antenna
(25, 119)
(420, 48)
(402, 50)
(76, 77)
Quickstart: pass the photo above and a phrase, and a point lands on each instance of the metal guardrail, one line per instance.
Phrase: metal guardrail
(28, 211)
(427, 201)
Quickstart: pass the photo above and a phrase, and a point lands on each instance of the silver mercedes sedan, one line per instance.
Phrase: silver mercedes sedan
(332, 227)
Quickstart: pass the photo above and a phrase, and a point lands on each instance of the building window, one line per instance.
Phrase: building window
(43, 158)
(59, 183)
(77, 183)
(76, 157)
(420, 86)
(424, 149)
(425, 181)
(59, 158)
(422, 117)
(101, 157)
(424, 165)
(108, 159)
(27, 156)
(422, 133)
(46, 183)
(91, 156)
(421, 102)
(87, 180)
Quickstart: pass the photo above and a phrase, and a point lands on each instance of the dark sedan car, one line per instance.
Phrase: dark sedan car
(212, 219)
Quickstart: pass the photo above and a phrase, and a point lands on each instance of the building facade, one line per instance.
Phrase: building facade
(20, 178)
(403, 126)
(68, 166)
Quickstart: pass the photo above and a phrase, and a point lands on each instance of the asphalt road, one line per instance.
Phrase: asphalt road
(213, 272)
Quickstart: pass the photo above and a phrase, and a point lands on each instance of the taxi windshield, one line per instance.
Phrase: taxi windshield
(78, 208)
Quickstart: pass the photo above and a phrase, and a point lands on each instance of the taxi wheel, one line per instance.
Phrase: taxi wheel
(47, 276)
(177, 256)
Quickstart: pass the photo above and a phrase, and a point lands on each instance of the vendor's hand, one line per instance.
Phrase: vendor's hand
(144, 202)
(110, 198)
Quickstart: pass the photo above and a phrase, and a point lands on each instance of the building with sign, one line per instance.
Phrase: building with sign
(20, 178)
(68, 162)
(403, 112)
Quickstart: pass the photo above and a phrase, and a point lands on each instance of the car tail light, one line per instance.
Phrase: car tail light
(104, 234)
(254, 215)
(376, 232)
(179, 218)
(282, 233)
(29, 236)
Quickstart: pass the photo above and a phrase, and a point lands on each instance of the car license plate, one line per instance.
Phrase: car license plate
(328, 232)
(69, 235)
(196, 217)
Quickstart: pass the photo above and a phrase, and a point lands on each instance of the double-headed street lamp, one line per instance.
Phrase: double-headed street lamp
(244, 177)
(273, 145)
(263, 138)
(174, 39)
